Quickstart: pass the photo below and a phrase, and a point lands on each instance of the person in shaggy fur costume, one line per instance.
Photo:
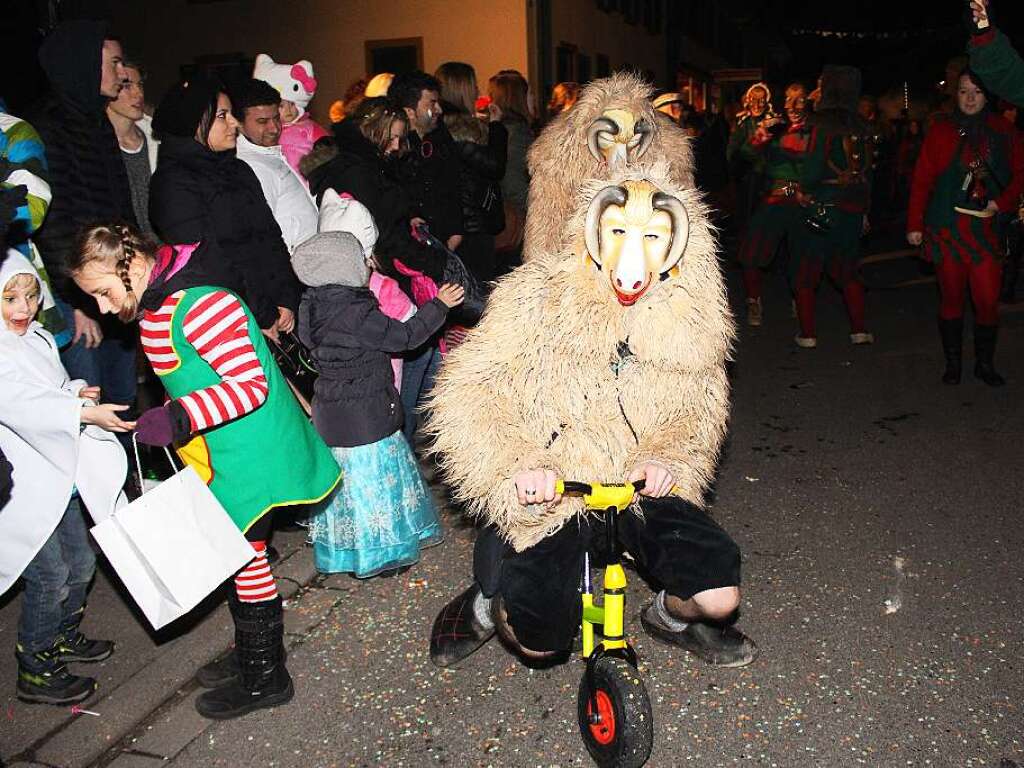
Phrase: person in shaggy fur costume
(604, 360)
(612, 126)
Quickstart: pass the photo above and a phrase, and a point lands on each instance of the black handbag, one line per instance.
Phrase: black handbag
(468, 313)
(296, 363)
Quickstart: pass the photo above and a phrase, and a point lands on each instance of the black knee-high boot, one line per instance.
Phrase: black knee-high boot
(952, 333)
(263, 680)
(984, 353)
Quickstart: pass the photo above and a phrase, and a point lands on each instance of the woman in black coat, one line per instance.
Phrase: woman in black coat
(201, 192)
(482, 150)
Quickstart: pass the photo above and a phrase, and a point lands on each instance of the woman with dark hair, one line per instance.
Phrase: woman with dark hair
(970, 170)
(482, 151)
(201, 192)
(510, 92)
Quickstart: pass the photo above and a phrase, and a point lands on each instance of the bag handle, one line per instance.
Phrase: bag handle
(138, 461)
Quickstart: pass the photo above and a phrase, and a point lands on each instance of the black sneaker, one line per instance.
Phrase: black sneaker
(456, 633)
(44, 679)
(75, 647)
(718, 644)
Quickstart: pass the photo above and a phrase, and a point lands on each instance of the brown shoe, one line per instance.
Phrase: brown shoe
(456, 633)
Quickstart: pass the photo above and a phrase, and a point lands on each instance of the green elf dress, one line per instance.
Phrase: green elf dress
(252, 443)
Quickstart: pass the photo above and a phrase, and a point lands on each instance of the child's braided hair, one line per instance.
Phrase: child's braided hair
(112, 248)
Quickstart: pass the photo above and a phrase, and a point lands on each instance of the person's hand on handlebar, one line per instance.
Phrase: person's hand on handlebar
(535, 486)
(658, 481)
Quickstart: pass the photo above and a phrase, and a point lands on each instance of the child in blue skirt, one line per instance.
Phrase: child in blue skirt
(383, 514)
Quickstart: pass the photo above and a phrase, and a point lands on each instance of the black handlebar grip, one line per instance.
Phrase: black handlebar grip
(638, 485)
(572, 486)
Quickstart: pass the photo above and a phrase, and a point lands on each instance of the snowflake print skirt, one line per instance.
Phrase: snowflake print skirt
(381, 515)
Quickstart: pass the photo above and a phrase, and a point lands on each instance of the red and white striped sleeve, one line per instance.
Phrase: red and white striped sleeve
(218, 328)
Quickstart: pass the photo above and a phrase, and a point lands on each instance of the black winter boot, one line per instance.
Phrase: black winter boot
(952, 333)
(263, 680)
(73, 646)
(984, 352)
(44, 679)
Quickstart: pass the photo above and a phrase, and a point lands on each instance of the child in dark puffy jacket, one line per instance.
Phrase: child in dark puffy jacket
(383, 514)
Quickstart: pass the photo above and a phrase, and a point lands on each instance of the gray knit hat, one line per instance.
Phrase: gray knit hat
(331, 258)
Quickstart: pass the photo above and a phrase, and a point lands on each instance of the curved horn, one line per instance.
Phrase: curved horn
(680, 227)
(600, 125)
(604, 198)
(646, 131)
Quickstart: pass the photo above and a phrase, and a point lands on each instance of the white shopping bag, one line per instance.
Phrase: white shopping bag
(173, 545)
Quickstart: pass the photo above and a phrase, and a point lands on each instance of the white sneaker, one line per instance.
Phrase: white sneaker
(754, 312)
(862, 338)
(807, 342)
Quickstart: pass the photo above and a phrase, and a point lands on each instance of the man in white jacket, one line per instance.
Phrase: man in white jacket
(254, 104)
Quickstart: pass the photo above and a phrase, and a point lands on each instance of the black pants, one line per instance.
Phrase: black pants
(678, 546)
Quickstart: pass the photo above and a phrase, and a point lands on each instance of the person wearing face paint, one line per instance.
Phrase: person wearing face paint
(781, 147)
(430, 169)
(84, 65)
(971, 169)
(231, 416)
(135, 137)
(202, 192)
(59, 440)
(255, 104)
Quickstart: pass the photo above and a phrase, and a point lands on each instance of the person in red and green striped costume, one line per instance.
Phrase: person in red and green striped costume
(971, 169)
(232, 418)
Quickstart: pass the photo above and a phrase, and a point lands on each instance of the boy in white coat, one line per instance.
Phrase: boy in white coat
(59, 441)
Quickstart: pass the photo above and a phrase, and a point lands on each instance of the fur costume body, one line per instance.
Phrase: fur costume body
(560, 160)
(559, 375)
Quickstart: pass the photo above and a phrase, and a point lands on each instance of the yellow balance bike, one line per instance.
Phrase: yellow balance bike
(613, 709)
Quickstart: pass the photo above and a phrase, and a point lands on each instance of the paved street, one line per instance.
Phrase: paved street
(879, 517)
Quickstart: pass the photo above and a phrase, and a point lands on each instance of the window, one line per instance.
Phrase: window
(398, 55)
(565, 63)
(582, 68)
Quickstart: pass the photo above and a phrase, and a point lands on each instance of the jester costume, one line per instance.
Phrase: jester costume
(238, 425)
(745, 169)
(967, 161)
(836, 178)
(780, 215)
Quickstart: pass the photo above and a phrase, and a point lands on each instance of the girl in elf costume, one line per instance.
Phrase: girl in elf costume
(971, 168)
(232, 418)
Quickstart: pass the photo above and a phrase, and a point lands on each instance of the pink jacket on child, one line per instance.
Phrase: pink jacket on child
(396, 305)
(297, 140)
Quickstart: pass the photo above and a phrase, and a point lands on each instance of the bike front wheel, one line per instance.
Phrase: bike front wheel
(619, 732)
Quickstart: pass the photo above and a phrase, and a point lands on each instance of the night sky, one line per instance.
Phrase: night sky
(918, 46)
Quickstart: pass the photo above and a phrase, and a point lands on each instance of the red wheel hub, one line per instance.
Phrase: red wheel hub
(603, 730)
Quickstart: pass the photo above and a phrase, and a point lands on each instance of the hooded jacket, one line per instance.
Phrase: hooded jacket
(42, 436)
(355, 400)
(198, 195)
(86, 172)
